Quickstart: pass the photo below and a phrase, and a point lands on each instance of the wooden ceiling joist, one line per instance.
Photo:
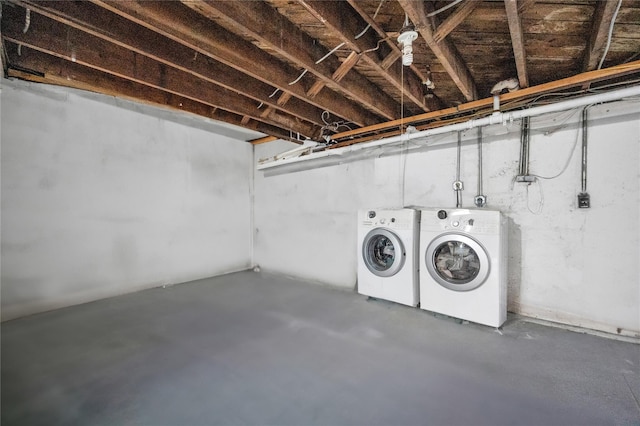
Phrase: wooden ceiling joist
(115, 29)
(388, 128)
(54, 38)
(454, 20)
(61, 72)
(523, 5)
(392, 43)
(517, 41)
(347, 24)
(602, 17)
(444, 50)
(270, 28)
(173, 20)
(241, 61)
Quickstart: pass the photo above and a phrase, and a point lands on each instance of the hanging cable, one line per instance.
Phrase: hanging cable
(373, 49)
(610, 34)
(369, 25)
(274, 93)
(541, 201)
(331, 52)
(299, 78)
(566, 164)
(442, 9)
(27, 21)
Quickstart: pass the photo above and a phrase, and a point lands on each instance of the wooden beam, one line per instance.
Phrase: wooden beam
(395, 50)
(115, 29)
(558, 85)
(391, 59)
(60, 72)
(345, 67)
(454, 20)
(517, 41)
(445, 51)
(523, 5)
(602, 17)
(266, 25)
(315, 88)
(338, 74)
(181, 24)
(54, 38)
(262, 140)
(343, 21)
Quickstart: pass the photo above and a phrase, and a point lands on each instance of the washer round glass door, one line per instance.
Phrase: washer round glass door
(457, 262)
(383, 252)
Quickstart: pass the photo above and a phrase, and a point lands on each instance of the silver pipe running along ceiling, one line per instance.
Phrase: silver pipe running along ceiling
(501, 118)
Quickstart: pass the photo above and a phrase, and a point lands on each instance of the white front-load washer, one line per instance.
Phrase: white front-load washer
(463, 264)
(388, 255)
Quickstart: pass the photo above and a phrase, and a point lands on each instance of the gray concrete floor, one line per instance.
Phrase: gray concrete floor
(250, 348)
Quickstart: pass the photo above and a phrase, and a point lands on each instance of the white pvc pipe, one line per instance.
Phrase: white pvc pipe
(495, 118)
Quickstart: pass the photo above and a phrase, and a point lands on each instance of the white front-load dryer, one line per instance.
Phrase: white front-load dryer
(463, 264)
(388, 255)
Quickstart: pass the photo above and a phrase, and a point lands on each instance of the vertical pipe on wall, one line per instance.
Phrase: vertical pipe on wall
(584, 149)
(457, 185)
(524, 147)
(480, 199)
(584, 200)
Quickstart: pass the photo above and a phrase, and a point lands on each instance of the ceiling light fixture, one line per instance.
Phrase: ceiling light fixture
(406, 37)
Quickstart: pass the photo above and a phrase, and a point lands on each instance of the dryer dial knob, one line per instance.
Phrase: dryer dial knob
(442, 214)
(372, 214)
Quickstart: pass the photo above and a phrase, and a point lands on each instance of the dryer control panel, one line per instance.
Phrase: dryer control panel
(394, 219)
(463, 220)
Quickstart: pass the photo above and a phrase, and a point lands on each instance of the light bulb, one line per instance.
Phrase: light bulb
(406, 38)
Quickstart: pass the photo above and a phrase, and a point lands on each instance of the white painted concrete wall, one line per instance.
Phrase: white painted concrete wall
(100, 197)
(569, 265)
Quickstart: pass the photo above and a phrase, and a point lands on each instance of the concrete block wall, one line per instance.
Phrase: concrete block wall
(102, 197)
(568, 265)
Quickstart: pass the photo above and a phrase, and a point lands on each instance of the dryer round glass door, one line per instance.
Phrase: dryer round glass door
(383, 252)
(457, 262)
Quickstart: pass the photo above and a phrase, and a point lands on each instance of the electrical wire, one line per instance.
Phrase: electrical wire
(299, 77)
(508, 106)
(566, 164)
(331, 52)
(369, 25)
(610, 34)
(27, 21)
(274, 93)
(373, 49)
(404, 155)
(563, 124)
(442, 9)
(540, 203)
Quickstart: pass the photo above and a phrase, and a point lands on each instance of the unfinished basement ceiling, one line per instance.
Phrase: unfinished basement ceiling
(325, 70)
